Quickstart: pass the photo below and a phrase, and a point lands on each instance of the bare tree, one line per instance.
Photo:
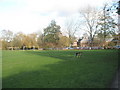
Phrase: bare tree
(89, 17)
(71, 27)
(7, 35)
(7, 38)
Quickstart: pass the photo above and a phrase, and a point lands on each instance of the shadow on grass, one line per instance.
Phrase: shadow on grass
(64, 55)
(61, 75)
(83, 72)
(87, 55)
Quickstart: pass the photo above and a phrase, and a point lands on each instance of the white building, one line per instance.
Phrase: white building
(85, 41)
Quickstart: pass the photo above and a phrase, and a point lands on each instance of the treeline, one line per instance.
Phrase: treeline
(51, 38)
(98, 24)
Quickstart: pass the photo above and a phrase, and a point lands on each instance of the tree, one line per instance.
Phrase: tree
(89, 17)
(106, 24)
(114, 7)
(0, 43)
(27, 41)
(51, 33)
(71, 27)
(32, 38)
(64, 41)
(7, 37)
(40, 40)
(20, 40)
(118, 7)
(17, 41)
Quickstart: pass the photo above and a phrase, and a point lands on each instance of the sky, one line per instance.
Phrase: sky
(30, 16)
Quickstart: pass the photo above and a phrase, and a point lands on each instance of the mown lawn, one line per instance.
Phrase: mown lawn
(59, 69)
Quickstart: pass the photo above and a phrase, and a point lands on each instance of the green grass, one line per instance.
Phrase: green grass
(59, 69)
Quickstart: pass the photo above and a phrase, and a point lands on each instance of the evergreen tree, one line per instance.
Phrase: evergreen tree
(51, 33)
(106, 24)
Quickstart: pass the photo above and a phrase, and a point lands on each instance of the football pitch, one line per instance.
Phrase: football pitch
(58, 69)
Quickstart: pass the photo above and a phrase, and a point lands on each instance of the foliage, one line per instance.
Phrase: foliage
(40, 40)
(115, 7)
(118, 8)
(32, 38)
(17, 40)
(106, 23)
(51, 33)
(64, 41)
(96, 23)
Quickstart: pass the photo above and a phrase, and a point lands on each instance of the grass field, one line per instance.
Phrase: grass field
(59, 69)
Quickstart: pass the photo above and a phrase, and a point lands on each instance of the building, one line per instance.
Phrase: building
(85, 40)
(74, 44)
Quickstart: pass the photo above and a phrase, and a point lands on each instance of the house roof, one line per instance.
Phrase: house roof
(108, 39)
(85, 41)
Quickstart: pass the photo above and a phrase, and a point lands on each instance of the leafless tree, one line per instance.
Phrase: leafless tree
(7, 38)
(71, 27)
(89, 16)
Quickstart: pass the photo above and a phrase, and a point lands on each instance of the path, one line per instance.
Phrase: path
(115, 83)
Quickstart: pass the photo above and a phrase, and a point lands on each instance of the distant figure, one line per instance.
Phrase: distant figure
(78, 54)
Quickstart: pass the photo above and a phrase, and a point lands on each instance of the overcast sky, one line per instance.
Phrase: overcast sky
(32, 15)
